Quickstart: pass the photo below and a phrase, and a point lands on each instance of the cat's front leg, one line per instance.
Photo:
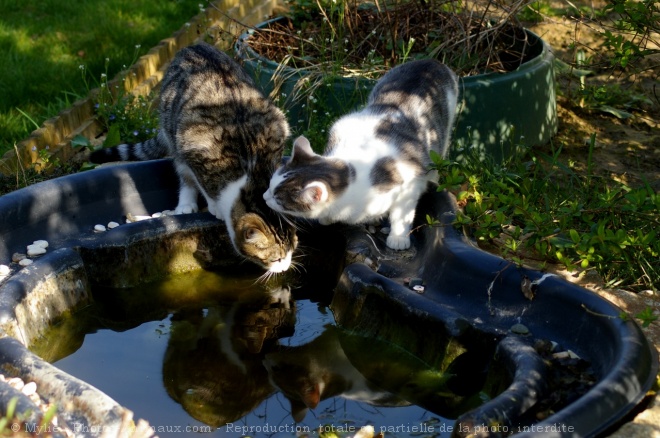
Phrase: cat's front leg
(397, 242)
(402, 216)
(187, 191)
(187, 200)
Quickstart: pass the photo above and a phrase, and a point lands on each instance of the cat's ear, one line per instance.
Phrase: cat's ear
(302, 150)
(298, 410)
(311, 395)
(314, 193)
(251, 234)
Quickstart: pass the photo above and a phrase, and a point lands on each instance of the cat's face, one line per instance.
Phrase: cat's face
(301, 187)
(268, 244)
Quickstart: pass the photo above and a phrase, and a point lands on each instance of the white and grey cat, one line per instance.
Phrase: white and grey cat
(226, 140)
(310, 373)
(377, 160)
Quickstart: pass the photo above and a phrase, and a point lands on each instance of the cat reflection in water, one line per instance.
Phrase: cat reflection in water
(313, 372)
(213, 362)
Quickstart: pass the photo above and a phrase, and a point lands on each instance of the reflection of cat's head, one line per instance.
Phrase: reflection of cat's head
(264, 320)
(318, 370)
(213, 362)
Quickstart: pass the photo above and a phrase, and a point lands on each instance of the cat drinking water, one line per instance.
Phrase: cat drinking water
(226, 140)
(377, 160)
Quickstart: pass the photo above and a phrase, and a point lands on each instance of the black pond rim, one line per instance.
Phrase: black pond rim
(461, 280)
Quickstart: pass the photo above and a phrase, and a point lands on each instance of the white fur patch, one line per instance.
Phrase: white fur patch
(225, 202)
(276, 179)
(282, 264)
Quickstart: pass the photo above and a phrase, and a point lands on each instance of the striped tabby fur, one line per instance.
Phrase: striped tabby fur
(226, 140)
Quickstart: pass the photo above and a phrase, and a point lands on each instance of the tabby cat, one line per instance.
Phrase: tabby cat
(377, 160)
(226, 140)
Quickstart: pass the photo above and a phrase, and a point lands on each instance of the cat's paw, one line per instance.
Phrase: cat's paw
(186, 208)
(398, 242)
(325, 221)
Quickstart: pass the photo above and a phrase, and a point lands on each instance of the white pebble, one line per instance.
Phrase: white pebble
(99, 228)
(168, 212)
(17, 257)
(41, 243)
(141, 218)
(419, 288)
(157, 214)
(4, 270)
(29, 389)
(25, 262)
(16, 383)
(33, 250)
(112, 225)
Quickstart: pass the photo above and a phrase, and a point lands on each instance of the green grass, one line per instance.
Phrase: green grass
(521, 208)
(44, 43)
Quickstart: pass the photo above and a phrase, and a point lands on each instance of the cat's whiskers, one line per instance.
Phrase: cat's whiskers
(295, 224)
(297, 267)
(264, 278)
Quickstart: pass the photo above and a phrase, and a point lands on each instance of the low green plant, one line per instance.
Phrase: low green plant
(13, 423)
(646, 317)
(610, 98)
(124, 116)
(127, 118)
(632, 33)
(536, 11)
(559, 215)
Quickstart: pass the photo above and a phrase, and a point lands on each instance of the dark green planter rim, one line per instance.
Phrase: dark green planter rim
(541, 54)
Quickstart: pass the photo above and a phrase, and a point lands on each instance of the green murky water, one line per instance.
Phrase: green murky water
(225, 356)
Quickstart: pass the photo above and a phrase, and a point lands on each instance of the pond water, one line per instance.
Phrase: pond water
(226, 356)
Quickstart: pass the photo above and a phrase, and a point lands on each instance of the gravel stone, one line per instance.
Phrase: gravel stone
(520, 329)
(34, 250)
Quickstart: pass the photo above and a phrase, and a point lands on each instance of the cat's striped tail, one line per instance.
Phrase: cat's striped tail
(147, 150)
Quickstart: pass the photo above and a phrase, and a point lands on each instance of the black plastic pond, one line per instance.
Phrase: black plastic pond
(462, 333)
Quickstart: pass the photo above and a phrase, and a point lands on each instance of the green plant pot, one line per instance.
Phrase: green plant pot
(499, 115)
